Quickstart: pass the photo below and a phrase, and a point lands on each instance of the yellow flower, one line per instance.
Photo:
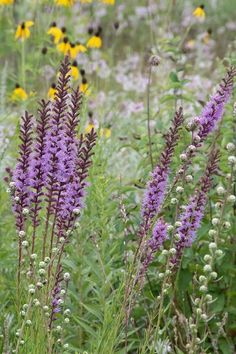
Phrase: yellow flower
(106, 132)
(86, 1)
(64, 46)
(190, 44)
(52, 91)
(80, 47)
(56, 32)
(108, 2)
(19, 94)
(94, 42)
(84, 87)
(89, 127)
(66, 3)
(74, 70)
(199, 12)
(23, 31)
(6, 2)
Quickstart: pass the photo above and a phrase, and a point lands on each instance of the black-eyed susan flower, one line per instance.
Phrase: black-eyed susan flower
(22, 31)
(105, 132)
(6, 2)
(74, 70)
(96, 40)
(73, 50)
(199, 12)
(52, 91)
(108, 2)
(56, 32)
(19, 94)
(84, 87)
(64, 46)
(80, 47)
(66, 3)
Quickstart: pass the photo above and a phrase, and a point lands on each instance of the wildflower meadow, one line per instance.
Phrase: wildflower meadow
(117, 177)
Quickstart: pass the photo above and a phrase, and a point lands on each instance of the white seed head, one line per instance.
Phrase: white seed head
(212, 245)
(197, 301)
(170, 228)
(173, 201)
(62, 292)
(189, 178)
(209, 297)
(47, 314)
(219, 253)
(25, 211)
(212, 233)
(66, 276)
(220, 190)
(230, 146)
(59, 328)
(183, 157)
(191, 148)
(31, 291)
(202, 278)
(16, 199)
(25, 307)
(42, 271)
(42, 264)
(33, 256)
(47, 260)
(28, 323)
(22, 234)
(203, 289)
(178, 224)
(232, 160)
(215, 221)
(67, 312)
(23, 313)
(161, 275)
(76, 211)
(226, 225)
(66, 346)
(204, 317)
(207, 258)
(45, 308)
(8, 190)
(213, 275)
(39, 285)
(36, 303)
(172, 251)
(60, 302)
(66, 320)
(199, 311)
(231, 198)
(25, 244)
(22, 342)
(12, 185)
(61, 239)
(54, 250)
(179, 189)
(207, 268)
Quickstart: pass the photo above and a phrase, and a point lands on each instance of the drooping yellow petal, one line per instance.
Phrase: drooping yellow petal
(56, 33)
(29, 24)
(94, 42)
(89, 127)
(6, 2)
(81, 48)
(18, 32)
(74, 72)
(108, 2)
(64, 47)
(66, 3)
(19, 94)
(51, 93)
(86, 1)
(106, 132)
(199, 12)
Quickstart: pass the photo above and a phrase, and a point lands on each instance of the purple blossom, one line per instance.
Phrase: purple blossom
(214, 109)
(159, 235)
(156, 188)
(192, 216)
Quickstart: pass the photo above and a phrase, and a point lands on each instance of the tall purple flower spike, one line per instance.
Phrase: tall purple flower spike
(156, 187)
(194, 212)
(214, 109)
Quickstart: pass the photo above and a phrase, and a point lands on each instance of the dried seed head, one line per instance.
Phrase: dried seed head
(154, 60)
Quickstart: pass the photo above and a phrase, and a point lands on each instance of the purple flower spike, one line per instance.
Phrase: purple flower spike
(214, 109)
(156, 188)
(192, 216)
(159, 235)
